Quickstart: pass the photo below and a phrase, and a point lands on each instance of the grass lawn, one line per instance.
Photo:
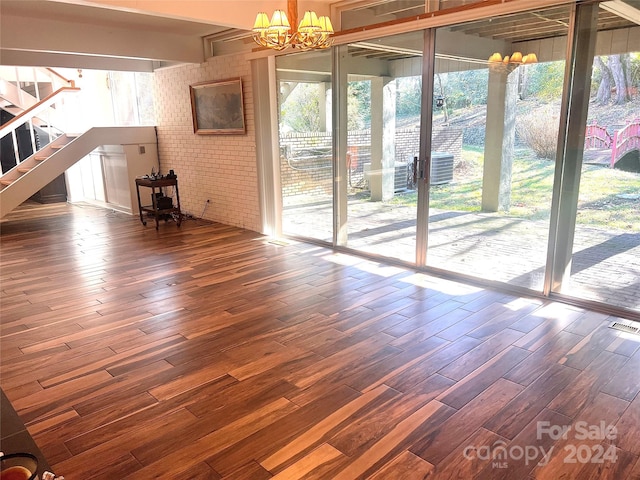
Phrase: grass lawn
(609, 199)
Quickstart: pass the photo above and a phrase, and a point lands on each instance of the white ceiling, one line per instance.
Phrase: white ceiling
(123, 34)
(135, 34)
(93, 15)
(62, 34)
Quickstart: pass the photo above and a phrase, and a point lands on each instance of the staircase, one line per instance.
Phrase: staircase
(35, 104)
(22, 89)
(29, 176)
(32, 101)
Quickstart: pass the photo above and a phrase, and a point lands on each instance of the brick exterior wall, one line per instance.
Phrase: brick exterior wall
(221, 168)
(305, 163)
(444, 139)
(305, 158)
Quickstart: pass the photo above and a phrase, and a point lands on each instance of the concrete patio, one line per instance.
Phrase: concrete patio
(606, 264)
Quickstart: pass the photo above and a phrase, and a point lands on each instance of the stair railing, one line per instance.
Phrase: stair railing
(29, 114)
(15, 80)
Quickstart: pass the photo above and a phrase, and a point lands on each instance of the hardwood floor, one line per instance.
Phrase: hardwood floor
(207, 352)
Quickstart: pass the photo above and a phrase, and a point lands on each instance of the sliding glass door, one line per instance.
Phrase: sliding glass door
(602, 263)
(495, 118)
(306, 153)
(382, 101)
(476, 149)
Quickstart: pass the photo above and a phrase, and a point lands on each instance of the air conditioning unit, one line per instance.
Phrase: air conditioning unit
(441, 168)
(400, 177)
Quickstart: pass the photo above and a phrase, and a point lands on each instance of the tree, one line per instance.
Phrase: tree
(300, 111)
(444, 99)
(544, 80)
(617, 66)
(359, 105)
(616, 72)
(634, 70)
(604, 89)
(409, 96)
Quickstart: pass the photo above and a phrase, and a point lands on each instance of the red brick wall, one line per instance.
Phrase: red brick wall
(305, 159)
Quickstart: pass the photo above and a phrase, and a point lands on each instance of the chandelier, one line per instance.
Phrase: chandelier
(513, 61)
(313, 32)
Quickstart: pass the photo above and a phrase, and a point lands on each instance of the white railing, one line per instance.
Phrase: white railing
(35, 109)
(29, 115)
(21, 77)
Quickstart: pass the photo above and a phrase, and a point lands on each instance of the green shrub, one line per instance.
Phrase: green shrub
(539, 131)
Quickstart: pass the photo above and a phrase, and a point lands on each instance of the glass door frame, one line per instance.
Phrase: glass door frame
(573, 119)
(428, 25)
(424, 160)
(579, 56)
(339, 122)
(347, 224)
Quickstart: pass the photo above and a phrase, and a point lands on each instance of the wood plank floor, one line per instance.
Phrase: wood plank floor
(208, 352)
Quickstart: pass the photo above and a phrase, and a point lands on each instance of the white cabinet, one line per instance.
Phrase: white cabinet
(106, 176)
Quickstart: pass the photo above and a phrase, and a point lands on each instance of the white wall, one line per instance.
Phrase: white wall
(221, 168)
(106, 177)
(91, 106)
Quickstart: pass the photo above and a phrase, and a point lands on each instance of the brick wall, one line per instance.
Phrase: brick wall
(221, 168)
(305, 159)
(305, 163)
(444, 139)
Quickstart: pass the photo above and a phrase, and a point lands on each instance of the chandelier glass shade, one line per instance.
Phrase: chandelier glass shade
(313, 32)
(511, 62)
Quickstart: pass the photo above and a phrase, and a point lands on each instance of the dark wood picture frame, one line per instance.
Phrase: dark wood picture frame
(217, 107)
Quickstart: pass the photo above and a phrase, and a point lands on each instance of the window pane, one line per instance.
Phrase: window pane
(376, 11)
(495, 130)
(383, 109)
(605, 264)
(306, 169)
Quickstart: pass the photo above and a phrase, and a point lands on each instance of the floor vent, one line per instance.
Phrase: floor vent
(623, 327)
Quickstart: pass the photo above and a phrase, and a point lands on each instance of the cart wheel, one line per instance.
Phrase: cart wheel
(144, 223)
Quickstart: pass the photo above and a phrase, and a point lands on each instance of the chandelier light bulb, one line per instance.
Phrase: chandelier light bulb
(312, 32)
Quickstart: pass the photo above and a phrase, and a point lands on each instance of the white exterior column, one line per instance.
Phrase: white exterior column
(325, 107)
(499, 139)
(383, 138)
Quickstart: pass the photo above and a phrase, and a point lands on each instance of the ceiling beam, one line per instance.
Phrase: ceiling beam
(55, 36)
(90, 62)
(622, 9)
(226, 13)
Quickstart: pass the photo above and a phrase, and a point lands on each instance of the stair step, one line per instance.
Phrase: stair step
(40, 158)
(56, 147)
(6, 183)
(23, 169)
